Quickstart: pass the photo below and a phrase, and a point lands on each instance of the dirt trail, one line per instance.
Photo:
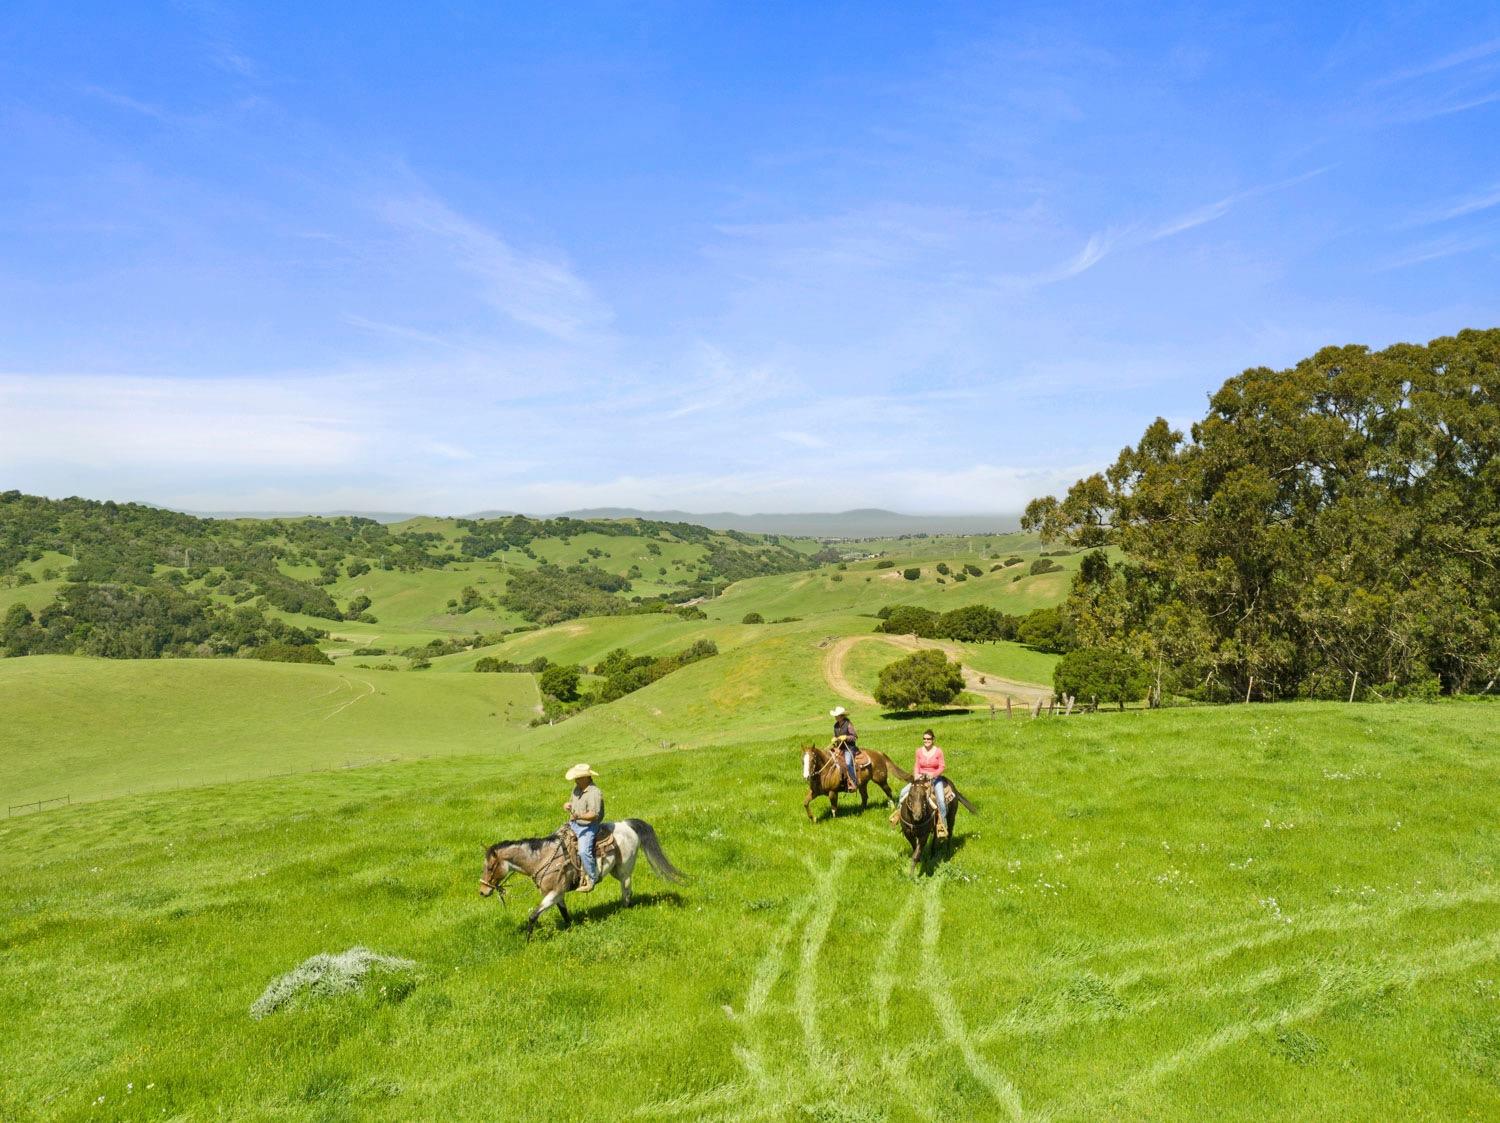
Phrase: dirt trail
(991, 688)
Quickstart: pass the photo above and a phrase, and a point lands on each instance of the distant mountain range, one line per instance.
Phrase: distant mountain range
(867, 522)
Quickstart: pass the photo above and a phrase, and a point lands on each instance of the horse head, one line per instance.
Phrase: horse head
(496, 870)
(812, 761)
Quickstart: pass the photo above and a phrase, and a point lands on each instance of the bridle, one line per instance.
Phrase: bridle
(497, 887)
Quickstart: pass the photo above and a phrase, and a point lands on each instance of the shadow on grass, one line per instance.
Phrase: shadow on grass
(924, 715)
(666, 898)
(878, 804)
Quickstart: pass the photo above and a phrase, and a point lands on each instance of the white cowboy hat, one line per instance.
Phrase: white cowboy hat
(838, 711)
(578, 772)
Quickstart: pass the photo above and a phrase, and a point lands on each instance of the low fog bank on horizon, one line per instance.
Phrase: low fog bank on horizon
(858, 522)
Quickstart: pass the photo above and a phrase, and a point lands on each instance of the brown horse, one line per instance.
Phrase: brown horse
(918, 814)
(547, 862)
(823, 769)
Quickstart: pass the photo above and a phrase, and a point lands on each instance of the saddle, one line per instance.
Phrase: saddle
(604, 847)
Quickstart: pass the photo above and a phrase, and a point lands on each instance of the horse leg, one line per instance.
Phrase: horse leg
(623, 872)
(833, 801)
(864, 793)
(566, 915)
(542, 906)
(889, 795)
(807, 803)
(916, 855)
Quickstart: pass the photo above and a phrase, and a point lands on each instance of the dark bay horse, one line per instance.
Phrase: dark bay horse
(546, 862)
(919, 817)
(823, 769)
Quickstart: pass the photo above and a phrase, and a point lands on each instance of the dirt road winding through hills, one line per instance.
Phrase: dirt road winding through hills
(992, 688)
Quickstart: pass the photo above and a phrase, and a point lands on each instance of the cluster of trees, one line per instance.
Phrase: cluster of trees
(1047, 629)
(125, 622)
(550, 593)
(1324, 529)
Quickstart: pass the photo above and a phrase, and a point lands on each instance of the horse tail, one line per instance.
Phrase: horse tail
(958, 795)
(647, 834)
(901, 774)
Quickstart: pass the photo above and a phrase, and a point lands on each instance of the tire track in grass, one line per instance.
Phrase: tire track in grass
(883, 977)
(1258, 925)
(369, 690)
(1455, 957)
(813, 937)
(819, 904)
(939, 992)
(1336, 921)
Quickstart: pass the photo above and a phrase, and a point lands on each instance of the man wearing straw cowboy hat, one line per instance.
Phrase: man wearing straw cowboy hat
(845, 738)
(585, 812)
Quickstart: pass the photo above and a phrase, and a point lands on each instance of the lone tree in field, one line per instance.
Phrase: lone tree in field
(1101, 672)
(559, 681)
(925, 678)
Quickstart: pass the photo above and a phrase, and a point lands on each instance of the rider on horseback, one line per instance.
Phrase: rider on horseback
(929, 763)
(844, 737)
(585, 812)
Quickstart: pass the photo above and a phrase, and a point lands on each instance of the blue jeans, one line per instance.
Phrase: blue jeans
(849, 766)
(585, 833)
(939, 790)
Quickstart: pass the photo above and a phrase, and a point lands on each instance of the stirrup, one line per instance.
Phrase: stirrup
(585, 883)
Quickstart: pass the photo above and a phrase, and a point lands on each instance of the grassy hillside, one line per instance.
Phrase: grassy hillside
(95, 727)
(1258, 913)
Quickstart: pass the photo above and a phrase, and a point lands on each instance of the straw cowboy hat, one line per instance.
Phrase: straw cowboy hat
(838, 711)
(578, 772)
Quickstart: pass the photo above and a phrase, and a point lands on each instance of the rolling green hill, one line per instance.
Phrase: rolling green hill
(1237, 911)
(1280, 913)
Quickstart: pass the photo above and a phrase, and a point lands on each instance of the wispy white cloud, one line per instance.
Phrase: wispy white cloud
(241, 424)
(539, 290)
(1470, 204)
(1436, 250)
(1476, 53)
(805, 440)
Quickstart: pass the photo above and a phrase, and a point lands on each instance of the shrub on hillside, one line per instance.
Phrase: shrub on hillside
(973, 570)
(942, 567)
(753, 618)
(908, 620)
(291, 653)
(1103, 673)
(885, 563)
(1044, 565)
(924, 678)
(559, 681)
(911, 574)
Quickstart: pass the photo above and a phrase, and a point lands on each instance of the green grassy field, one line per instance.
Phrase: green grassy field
(88, 728)
(1273, 912)
(1282, 912)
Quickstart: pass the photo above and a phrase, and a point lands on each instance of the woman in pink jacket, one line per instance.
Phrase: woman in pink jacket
(930, 762)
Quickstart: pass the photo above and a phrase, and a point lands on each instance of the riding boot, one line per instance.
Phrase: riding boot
(896, 817)
(942, 828)
(585, 882)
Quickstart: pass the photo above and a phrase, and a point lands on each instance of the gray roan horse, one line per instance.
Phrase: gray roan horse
(919, 817)
(546, 862)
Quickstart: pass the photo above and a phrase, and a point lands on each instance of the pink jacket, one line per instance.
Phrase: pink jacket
(929, 762)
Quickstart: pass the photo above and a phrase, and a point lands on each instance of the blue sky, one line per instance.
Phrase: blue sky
(451, 257)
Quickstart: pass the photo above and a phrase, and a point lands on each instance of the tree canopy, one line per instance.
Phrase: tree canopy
(1337, 518)
(924, 678)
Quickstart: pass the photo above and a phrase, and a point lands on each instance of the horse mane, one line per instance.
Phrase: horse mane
(531, 844)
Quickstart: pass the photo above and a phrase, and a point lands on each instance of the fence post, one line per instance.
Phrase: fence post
(1354, 687)
(1007, 708)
